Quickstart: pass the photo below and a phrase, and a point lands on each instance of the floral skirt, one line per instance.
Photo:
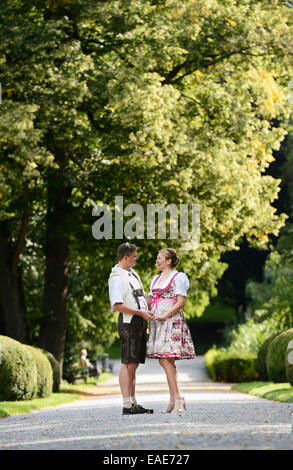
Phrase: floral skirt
(171, 337)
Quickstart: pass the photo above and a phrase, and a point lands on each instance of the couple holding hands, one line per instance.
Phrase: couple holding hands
(169, 335)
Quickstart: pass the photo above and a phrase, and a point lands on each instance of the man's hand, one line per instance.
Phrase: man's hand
(147, 315)
(121, 307)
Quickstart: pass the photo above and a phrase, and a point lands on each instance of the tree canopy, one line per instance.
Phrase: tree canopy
(156, 101)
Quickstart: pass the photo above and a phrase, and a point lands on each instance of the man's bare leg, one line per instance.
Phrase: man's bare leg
(127, 379)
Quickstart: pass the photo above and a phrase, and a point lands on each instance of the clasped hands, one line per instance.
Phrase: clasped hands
(148, 315)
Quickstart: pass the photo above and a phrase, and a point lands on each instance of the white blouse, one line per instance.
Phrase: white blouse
(181, 283)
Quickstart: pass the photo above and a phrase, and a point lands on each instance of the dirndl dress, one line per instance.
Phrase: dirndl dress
(170, 337)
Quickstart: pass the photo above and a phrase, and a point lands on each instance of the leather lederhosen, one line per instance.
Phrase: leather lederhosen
(133, 334)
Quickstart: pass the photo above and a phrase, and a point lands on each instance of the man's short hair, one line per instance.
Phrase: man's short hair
(125, 250)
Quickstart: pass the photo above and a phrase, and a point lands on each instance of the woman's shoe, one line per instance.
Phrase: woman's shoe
(170, 407)
(180, 406)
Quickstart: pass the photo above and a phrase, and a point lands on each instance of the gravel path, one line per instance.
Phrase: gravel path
(216, 418)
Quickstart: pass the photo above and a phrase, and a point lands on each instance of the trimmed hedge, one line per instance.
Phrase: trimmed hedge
(44, 372)
(56, 370)
(276, 358)
(261, 357)
(18, 371)
(289, 363)
(209, 359)
(231, 366)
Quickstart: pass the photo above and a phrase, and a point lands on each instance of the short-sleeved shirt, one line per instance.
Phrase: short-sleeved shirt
(181, 283)
(116, 290)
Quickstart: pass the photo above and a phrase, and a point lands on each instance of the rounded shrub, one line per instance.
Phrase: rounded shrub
(289, 362)
(18, 371)
(276, 356)
(231, 366)
(209, 359)
(261, 357)
(44, 372)
(56, 370)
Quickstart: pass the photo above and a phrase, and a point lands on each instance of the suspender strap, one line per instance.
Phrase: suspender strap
(136, 294)
(169, 283)
(156, 280)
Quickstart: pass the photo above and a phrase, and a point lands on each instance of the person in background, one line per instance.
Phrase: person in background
(84, 362)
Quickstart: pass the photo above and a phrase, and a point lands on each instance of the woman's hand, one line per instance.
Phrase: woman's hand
(160, 317)
(176, 308)
(147, 315)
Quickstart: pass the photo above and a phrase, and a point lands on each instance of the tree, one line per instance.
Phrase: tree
(153, 102)
(272, 298)
(21, 159)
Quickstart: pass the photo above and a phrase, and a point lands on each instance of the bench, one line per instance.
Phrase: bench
(81, 374)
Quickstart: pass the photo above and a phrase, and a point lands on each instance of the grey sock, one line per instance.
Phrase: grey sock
(127, 402)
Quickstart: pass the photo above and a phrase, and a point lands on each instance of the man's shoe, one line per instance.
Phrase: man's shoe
(143, 410)
(136, 410)
(131, 411)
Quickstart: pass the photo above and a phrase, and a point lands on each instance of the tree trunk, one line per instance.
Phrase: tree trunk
(53, 326)
(11, 289)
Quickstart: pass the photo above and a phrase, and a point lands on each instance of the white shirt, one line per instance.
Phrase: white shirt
(181, 283)
(116, 290)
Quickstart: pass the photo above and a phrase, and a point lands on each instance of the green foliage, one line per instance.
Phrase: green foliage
(217, 311)
(8, 408)
(289, 363)
(209, 359)
(68, 393)
(22, 155)
(231, 366)
(248, 342)
(273, 297)
(56, 370)
(282, 392)
(18, 371)
(155, 102)
(249, 336)
(276, 356)
(44, 372)
(262, 356)
(114, 350)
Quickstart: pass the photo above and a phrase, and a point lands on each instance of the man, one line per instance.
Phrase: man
(127, 297)
(83, 361)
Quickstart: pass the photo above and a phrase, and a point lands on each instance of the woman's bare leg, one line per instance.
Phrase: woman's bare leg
(169, 367)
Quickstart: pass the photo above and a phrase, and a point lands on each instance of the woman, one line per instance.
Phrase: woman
(169, 338)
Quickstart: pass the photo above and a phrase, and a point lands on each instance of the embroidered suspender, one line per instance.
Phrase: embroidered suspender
(163, 288)
(136, 292)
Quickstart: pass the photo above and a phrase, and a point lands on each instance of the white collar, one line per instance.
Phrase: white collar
(166, 280)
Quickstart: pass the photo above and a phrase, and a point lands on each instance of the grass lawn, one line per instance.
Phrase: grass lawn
(271, 391)
(67, 394)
